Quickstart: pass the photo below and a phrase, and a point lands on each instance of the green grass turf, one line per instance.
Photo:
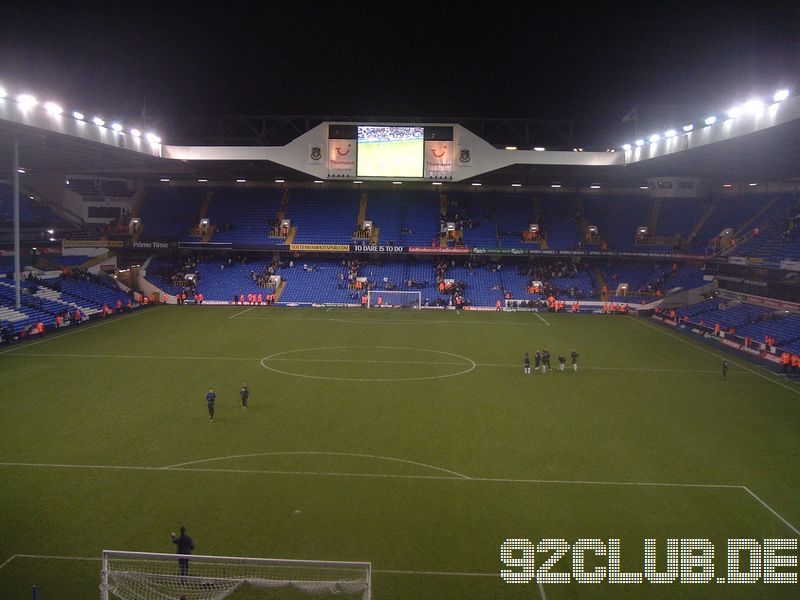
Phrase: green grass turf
(400, 158)
(363, 453)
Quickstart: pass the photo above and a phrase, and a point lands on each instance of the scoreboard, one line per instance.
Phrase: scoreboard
(390, 151)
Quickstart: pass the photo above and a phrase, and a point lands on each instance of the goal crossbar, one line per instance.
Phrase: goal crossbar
(160, 576)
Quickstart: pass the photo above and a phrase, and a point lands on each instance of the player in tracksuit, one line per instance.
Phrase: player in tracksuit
(574, 356)
(211, 398)
(527, 364)
(245, 394)
(537, 358)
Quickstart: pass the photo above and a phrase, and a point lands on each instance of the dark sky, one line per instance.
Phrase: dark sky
(433, 59)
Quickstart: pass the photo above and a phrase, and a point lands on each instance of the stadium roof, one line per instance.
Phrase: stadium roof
(772, 153)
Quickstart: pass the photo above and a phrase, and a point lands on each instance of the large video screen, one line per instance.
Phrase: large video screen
(390, 151)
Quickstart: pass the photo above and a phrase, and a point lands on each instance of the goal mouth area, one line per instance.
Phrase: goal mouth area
(162, 576)
(394, 299)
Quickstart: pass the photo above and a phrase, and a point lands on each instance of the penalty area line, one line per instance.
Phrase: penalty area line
(242, 312)
(381, 571)
(543, 320)
(468, 480)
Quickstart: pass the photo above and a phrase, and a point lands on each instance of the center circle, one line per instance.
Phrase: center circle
(434, 357)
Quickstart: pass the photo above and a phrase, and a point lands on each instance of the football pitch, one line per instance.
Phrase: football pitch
(409, 439)
(397, 158)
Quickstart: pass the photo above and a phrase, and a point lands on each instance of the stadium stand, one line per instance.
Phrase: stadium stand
(170, 213)
(323, 216)
(617, 219)
(244, 217)
(559, 223)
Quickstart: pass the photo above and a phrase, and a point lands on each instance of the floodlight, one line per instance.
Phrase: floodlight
(78, 115)
(397, 183)
(136, 133)
(654, 138)
(516, 185)
(539, 148)
(670, 133)
(779, 96)
(594, 187)
(511, 147)
(437, 183)
(153, 138)
(754, 107)
(280, 181)
(710, 120)
(735, 112)
(53, 108)
(639, 142)
(116, 127)
(476, 184)
(202, 180)
(27, 101)
(318, 181)
(555, 185)
(626, 147)
(164, 180)
(687, 128)
(98, 121)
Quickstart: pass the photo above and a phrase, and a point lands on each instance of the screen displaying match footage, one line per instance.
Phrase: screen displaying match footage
(385, 151)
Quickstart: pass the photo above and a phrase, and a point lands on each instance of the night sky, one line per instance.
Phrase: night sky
(398, 59)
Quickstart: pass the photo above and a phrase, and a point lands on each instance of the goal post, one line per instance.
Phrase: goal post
(393, 299)
(158, 576)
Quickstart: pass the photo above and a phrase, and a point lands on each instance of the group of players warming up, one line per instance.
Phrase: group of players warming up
(542, 361)
(211, 399)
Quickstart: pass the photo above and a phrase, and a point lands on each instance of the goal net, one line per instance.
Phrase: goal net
(393, 299)
(155, 576)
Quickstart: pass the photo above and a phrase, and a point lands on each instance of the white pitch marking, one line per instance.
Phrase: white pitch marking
(542, 318)
(78, 329)
(13, 556)
(444, 573)
(420, 477)
(242, 312)
(344, 360)
(309, 453)
(718, 355)
(377, 475)
(385, 571)
(128, 356)
(770, 509)
(469, 363)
